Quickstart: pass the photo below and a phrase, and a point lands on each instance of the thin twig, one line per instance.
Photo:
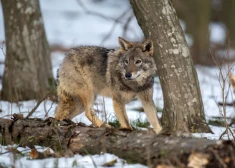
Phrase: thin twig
(223, 78)
(117, 20)
(1, 47)
(225, 131)
(127, 23)
(35, 108)
(220, 160)
(47, 112)
(87, 11)
(90, 157)
(114, 26)
(104, 111)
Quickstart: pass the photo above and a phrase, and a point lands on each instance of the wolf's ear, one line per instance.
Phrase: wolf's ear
(124, 45)
(147, 46)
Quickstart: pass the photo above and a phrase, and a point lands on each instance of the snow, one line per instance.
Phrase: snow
(78, 28)
(95, 161)
(217, 33)
(67, 24)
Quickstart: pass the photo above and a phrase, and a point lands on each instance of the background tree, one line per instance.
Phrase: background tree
(183, 107)
(228, 12)
(28, 72)
(196, 15)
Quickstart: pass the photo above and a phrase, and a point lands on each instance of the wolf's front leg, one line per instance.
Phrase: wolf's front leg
(150, 109)
(120, 111)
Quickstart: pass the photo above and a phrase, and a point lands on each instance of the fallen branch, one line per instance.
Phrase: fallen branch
(226, 104)
(136, 146)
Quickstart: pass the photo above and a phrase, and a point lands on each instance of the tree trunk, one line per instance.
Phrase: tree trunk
(135, 146)
(183, 107)
(196, 15)
(199, 28)
(28, 71)
(228, 18)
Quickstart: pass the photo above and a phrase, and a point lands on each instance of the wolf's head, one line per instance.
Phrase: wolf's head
(137, 59)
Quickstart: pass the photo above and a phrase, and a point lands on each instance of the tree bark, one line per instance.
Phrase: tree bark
(183, 107)
(28, 71)
(136, 146)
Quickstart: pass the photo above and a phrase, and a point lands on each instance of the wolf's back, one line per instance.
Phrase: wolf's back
(86, 65)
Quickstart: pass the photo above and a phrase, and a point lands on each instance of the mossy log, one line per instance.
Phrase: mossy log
(135, 146)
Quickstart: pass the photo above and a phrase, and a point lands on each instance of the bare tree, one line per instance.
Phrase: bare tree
(196, 15)
(28, 72)
(200, 30)
(228, 13)
(183, 107)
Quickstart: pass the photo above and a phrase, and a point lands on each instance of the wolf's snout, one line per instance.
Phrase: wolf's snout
(128, 75)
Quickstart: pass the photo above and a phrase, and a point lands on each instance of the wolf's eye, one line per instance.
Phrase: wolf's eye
(126, 61)
(138, 62)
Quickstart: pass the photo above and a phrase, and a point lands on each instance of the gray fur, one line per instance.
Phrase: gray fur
(89, 71)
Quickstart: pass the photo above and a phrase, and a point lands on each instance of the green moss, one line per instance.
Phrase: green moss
(2, 141)
(135, 123)
(74, 164)
(114, 123)
(139, 123)
(52, 89)
(52, 86)
(163, 153)
(217, 122)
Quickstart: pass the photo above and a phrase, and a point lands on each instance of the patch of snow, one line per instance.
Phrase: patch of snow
(217, 131)
(45, 109)
(6, 159)
(78, 28)
(217, 33)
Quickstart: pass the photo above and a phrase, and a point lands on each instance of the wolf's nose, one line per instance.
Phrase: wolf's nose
(128, 75)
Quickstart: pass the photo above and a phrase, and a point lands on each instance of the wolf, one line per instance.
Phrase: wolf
(121, 74)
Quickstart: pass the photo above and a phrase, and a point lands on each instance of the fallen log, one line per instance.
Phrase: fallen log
(135, 146)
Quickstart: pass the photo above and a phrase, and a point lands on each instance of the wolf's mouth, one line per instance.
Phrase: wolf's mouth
(130, 79)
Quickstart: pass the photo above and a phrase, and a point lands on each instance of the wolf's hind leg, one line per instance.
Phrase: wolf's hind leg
(67, 107)
(79, 108)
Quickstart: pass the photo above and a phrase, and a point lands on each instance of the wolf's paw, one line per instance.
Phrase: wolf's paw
(158, 130)
(105, 125)
(126, 128)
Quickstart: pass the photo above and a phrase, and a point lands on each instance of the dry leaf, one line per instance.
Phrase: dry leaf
(18, 116)
(47, 152)
(33, 154)
(110, 164)
(198, 160)
(227, 159)
(232, 81)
